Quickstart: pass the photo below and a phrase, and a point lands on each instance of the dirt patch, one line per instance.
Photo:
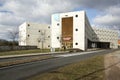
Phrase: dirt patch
(112, 66)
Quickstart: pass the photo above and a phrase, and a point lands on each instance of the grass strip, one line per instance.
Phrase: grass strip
(15, 62)
(23, 52)
(89, 69)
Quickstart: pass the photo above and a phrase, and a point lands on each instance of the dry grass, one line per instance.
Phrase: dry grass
(8, 63)
(23, 52)
(90, 69)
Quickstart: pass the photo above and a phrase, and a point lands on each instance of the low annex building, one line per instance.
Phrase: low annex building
(34, 34)
(73, 30)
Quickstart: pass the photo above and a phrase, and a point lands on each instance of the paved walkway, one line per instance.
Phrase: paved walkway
(31, 54)
(75, 54)
(59, 55)
(112, 66)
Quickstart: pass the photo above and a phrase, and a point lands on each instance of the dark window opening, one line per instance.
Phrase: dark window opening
(76, 15)
(28, 35)
(57, 37)
(76, 29)
(48, 36)
(48, 45)
(66, 15)
(76, 43)
(28, 24)
(39, 41)
(48, 26)
(58, 24)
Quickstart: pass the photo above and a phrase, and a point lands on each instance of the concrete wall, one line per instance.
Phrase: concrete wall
(55, 31)
(78, 23)
(34, 35)
(22, 34)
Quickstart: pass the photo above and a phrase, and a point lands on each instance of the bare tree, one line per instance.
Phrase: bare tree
(13, 35)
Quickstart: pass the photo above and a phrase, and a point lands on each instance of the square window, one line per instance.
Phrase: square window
(66, 15)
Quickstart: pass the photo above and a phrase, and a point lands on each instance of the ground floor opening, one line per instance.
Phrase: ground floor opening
(103, 45)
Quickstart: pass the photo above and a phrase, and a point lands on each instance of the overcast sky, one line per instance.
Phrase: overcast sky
(102, 13)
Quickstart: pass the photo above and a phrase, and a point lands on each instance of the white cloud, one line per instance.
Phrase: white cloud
(41, 10)
(36, 10)
(15, 12)
(110, 18)
(107, 19)
(4, 31)
(10, 19)
(4, 28)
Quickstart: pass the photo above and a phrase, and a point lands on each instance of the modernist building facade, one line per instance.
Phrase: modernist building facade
(34, 34)
(69, 30)
(73, 30)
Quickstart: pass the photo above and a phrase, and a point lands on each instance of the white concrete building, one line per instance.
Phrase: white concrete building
(73, 30)
(33, 34)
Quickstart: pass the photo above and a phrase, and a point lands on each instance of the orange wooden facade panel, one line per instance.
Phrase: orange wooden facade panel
(119, 42)
(67, 32)
(67, 29)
